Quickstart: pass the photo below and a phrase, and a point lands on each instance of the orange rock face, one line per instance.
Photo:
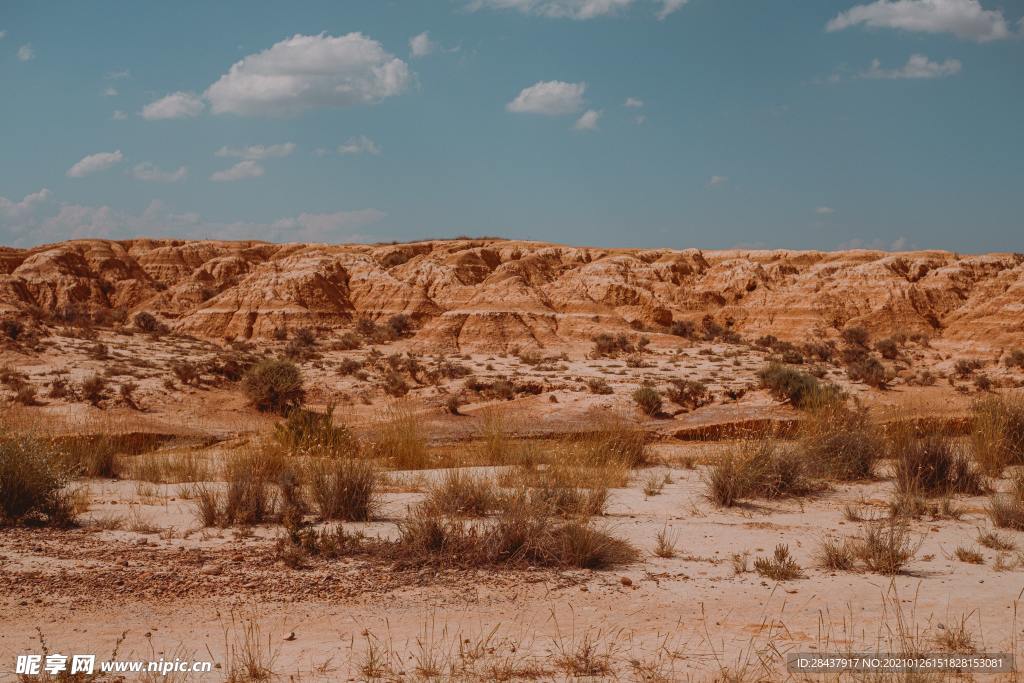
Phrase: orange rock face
(488, 295)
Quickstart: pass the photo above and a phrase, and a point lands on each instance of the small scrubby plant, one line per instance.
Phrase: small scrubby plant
(32, 483)
(274, 385)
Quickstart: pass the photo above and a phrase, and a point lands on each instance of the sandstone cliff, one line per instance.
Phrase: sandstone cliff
(487, 295)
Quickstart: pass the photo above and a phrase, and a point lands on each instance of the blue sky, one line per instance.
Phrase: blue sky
(709, 123)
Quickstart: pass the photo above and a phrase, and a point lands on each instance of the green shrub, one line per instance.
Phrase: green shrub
(274, 386)
(868, 370)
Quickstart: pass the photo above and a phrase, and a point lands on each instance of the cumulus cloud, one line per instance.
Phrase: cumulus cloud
(118, 115)
(70, 221)
(240, 171)
(552, 98)
(258, 151)
(304, 72)
(918, 66)
(965, 19)
(110, 92)
(588, 121)
(633, 103)
(359, 145)
(421, 45)
(26, 53)
(12, 209)
(150, 172)
(670, 7)
(559, 9)
(179, 105)
(94, 163)
(717, 180)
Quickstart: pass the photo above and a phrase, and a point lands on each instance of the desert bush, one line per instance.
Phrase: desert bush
(885, 547)
(394, 384)
(349, 366)
(522, 534)
(779, 567)
(598, 385)
(611, 345)
(248, 497)
(889, 349)
(26, 395)
(503, 389)
(964, 368)
(463, 493)
(757, 468)
(1014, 359)
(343, 488)
(801, 389)
(837, 555)
(32, 483)
(452, 403)
(931, 464)
(868, 370)
(855, 336)
(186, 372)
(649, 400)
(683, 328)
(840, 443)
(688, 393)
(274, 385)
(146, 322)
(399, 439)
(614, 440)
(1006, 510)
(11, 329)
(94, 389)
(400, 325)
(307, 432)
(997, 432)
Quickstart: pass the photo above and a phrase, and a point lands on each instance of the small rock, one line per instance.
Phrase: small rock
(626, 581)
(290, 636)
(212, 570)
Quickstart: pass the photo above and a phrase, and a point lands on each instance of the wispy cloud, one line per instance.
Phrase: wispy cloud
(965, 19)
(240, 171)
(258, 151)
(551, 98)
(95, 163)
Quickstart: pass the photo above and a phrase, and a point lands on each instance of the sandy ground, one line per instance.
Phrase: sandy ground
(177, 590)
(174, 589)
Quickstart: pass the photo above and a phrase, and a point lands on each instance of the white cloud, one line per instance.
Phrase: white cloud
(918, 66)
(14, 209)
(177, 105)
(670, 7)
(570, 9)
(95, 163)
(119, 115)
(588, 121)
(824, 210)
(149, 172)
(359, 145)
(717, 180)
(258, 151)
(119, 75)
(304, 72)
(26, 53)
(36, 226)
(240, 171)
(110, 92)
(639, 119)
(965, 19)
(633, 103)
(552, 98)
(3, 34)
(421, 45)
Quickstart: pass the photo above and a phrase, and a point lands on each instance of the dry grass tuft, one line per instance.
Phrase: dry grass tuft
(343, 488)
(840, 443)
(968, 555)
(758, 468)
(463, 493)
(837, 555)
(779, 567)
(33, 482)
(400, 440)
(885, 547)
(932, 464)
(997, 433)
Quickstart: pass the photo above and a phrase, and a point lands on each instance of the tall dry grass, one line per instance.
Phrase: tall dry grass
(997, 432)
(400, 440)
